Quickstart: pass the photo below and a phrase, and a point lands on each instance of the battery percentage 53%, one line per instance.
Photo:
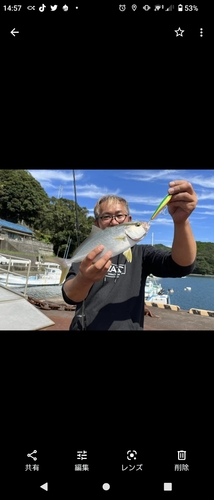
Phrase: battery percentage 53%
(191, 7)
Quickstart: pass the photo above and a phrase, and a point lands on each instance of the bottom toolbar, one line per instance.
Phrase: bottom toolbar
(96, 471)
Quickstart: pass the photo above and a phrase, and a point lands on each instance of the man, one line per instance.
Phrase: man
(109, 294)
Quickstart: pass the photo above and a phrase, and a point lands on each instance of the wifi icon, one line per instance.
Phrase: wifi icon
(158, 7)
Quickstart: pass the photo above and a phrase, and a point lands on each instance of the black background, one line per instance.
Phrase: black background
(107, 394)
(121, 83)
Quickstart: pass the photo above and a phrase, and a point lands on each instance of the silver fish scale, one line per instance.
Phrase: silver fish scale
(118, 239)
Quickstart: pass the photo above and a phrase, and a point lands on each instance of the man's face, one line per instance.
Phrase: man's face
(115, 208)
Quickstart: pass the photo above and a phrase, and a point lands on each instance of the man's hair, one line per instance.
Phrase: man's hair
(111, 198)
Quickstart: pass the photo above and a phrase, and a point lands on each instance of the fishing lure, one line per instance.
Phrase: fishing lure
(161, 206)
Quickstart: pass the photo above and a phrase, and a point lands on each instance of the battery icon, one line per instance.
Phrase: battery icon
(180, 7)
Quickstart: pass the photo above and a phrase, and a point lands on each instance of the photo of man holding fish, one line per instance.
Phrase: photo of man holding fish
(108, 271)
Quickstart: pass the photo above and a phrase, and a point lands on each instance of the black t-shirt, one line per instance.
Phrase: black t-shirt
(117, 301)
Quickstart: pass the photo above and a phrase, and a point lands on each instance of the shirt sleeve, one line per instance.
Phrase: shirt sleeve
(161, 264)
(71, 274)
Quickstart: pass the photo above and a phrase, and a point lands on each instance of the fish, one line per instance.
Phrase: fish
(118, 239)
(161, 206)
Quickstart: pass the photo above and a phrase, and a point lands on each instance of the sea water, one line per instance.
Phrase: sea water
(201, 295)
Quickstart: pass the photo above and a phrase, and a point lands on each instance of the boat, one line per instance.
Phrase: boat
(49, 277)
(154, 291)
(158, 299)
(47, 265)
(151, 286)
(10, 260)
(187, 288)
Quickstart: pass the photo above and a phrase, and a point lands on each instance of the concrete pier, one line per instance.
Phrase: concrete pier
(162, 319)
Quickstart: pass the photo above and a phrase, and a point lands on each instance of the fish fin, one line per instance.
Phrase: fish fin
(128, 254)
(65, 265)
(63, 274)
(119, 238)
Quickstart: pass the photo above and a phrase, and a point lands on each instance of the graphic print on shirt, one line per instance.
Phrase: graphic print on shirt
(116, 270)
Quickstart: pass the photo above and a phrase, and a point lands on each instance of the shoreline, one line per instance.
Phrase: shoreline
(202, 275)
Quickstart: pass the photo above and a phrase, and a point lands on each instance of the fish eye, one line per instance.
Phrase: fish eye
(137, 224)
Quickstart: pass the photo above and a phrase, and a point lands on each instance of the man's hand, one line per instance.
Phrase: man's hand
(77, 288)
(95, 271)
(183, 201)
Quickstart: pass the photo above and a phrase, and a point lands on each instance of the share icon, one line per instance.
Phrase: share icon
(30, 454)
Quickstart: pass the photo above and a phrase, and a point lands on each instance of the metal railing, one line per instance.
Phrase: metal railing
(10, 261)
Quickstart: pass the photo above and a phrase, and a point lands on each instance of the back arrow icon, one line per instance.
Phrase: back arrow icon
(13, 32)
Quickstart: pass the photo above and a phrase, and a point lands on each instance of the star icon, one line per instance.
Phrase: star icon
(179, 32)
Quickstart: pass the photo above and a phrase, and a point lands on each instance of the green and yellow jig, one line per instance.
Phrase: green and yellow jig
(161, 206)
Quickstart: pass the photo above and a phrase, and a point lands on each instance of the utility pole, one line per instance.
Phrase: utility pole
(75, 199)
(60, 192)
(152, 239)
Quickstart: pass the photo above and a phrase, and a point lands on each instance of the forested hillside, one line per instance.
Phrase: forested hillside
(205, 257)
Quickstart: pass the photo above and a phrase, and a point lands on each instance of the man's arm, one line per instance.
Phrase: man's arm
(184, 245)
(181, 205)
(77, 288)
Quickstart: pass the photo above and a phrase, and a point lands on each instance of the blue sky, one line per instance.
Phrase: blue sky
(143, 189)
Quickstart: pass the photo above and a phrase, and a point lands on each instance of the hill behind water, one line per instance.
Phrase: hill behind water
(204, 259)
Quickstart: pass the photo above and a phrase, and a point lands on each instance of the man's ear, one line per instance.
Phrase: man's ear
(96, 223)
(130, 218)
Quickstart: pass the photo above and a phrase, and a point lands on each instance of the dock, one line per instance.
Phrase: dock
(169, 319)
(17, 313)
(166, 319)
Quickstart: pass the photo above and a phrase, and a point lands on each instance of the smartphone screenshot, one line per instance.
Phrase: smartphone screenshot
(104, 85)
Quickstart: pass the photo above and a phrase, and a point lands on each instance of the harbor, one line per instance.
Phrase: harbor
(163, 317)
(28, 280)
(48, 311)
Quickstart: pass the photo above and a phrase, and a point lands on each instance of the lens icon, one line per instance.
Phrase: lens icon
(134, 7)
(122, 7)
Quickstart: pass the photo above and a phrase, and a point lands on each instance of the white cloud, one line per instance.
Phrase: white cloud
(205, 196)
(140, 212)
(163, 221)
(200, 180)
(154, 175)
(195, 217)
(147, 200)
(209, 207)
(207, 213)
(63, 175)
(93, 191)
(132, 211)
(148, 175)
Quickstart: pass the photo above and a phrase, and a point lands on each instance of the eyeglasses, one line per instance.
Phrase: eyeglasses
(118, 218)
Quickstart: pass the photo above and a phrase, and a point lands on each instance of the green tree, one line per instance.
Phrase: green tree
(22, 198)
(61, 227)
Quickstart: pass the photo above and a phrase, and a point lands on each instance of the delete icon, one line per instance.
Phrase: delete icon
(181, 455)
